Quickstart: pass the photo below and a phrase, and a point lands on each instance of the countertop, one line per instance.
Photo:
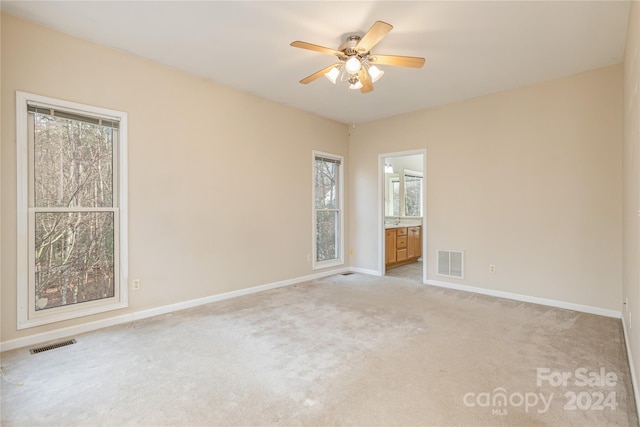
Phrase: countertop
(388, 226)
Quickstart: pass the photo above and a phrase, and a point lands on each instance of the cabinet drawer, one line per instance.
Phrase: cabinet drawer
(401, 242)
(402, 231)
(401, 255)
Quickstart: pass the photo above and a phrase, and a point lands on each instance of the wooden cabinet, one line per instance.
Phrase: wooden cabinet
(390, 246)
(402, 245)
(414, 242)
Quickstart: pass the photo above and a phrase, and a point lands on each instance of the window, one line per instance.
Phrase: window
(395, 195)
(327, 210)
(71, 210)
(412, 193)
(403, 197)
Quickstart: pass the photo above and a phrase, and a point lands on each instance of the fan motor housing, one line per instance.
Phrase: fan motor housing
(349, 46)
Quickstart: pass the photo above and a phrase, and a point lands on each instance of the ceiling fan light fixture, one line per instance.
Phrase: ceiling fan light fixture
(333, 74)
(353, 65)
(375, 73)
(355, 85)
(357, 65)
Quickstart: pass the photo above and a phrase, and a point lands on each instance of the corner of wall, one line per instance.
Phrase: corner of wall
(631, 195)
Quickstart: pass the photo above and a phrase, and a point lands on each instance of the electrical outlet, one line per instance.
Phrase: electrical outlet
(492, 268)
(308, 257)
(135, 285)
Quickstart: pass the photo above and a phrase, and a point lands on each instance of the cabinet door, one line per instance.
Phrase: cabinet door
(414, 245)
(390, 246)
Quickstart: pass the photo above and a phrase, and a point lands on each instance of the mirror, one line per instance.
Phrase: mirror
(392, 199)
(403, 186)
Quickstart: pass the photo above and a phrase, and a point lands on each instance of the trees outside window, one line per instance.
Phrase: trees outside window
(74, 183)
(412, 194)
(327, 197)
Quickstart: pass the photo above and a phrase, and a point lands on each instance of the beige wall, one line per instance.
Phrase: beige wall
(1, 191)
(528, 180)
(219, 180)
(631, 184)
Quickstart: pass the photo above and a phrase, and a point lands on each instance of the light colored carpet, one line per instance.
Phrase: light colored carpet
(344, 350)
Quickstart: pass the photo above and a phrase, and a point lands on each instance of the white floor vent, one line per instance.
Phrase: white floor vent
(451, 263)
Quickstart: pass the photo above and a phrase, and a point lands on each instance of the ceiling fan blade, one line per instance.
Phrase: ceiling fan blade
(398, 61)
(373, 36)
(317, 74)
(367, 85)
(315, 48)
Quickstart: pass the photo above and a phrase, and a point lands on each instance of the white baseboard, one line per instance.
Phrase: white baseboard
(526, 298)
(143, 314)
(634, 378)
(365, 271)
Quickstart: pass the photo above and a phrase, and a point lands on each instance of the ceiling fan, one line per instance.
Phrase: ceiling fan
(357, 65)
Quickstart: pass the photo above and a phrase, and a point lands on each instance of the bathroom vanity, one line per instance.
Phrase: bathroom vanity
(403, 245)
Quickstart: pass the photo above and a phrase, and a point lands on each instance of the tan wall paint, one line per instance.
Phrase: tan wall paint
(1, 192)
(219, 180)
(631, 183)
(528, 179)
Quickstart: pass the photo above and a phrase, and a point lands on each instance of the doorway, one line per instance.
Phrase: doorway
(402, 219)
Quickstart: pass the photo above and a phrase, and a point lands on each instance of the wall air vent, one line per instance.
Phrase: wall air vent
(451, 263)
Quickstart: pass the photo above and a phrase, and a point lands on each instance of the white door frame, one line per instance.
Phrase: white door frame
(381, 206)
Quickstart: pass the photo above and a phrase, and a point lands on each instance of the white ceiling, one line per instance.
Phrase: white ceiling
(471, 48)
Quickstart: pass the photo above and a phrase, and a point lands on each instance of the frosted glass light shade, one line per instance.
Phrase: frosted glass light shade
(353, 65)
(332, 74)
(356, 85)
(375, 73)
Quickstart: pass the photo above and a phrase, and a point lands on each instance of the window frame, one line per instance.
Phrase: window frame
(340, 209)
(413, 174)
(401, 180)
(393, 180)
(27, 316)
